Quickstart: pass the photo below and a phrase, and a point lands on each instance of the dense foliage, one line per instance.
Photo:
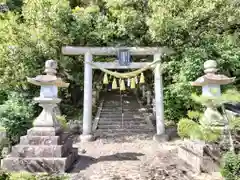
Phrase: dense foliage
(191, 128)
(35, 30)
(16, 115)
(231, 166)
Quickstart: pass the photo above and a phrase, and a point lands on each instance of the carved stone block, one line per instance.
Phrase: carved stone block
(43, 149)
(40, 140)
(192, 153)
(40, 164)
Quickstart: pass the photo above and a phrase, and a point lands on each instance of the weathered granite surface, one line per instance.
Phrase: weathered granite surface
(193, 154)
(42, 150)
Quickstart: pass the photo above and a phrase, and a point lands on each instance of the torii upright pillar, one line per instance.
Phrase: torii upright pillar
(87, 110)
(159, 105)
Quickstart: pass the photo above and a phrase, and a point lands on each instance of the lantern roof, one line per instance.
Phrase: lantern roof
(210, 68)
(213, 79)
(50, 78)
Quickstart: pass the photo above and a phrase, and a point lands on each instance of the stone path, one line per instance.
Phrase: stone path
(133, 160)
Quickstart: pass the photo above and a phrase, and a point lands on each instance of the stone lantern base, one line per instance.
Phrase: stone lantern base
(41, 150)
(45, 148)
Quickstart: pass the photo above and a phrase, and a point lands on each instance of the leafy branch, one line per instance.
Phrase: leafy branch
(214, 122)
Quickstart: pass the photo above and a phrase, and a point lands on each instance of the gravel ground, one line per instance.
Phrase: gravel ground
(132, 160)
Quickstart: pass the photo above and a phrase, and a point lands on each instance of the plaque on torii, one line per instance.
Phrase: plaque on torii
(124, 57)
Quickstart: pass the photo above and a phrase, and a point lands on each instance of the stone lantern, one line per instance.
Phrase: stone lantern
(48, 98)
(45, 148)
(211, 82)
(211, 87)
(192, 151)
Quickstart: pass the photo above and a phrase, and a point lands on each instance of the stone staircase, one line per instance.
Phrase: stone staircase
(121, 117)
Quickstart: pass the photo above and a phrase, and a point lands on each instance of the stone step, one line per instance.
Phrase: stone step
(118, 105)
(119, 122)
(111, 108)
(113, 134)
(119, 111)
(131, 108)
(130, 105)
(115, 113)
(125, 114)
(129, 122)
(121, 119)
(124, 101)
(126, 118)
(41, 150)
(124, 105)
(110, 105)
(121, 107)
(124, 130)
(111, 113)
(40, 164)
(40, 140)
(124, 126)
(121, 114)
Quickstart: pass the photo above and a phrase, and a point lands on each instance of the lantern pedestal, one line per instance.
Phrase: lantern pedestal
(45, 148)
(47, 118)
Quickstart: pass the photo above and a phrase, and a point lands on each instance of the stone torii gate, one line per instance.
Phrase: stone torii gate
(88, 53)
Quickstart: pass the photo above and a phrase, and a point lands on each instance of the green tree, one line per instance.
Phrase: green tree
(196, 29)
(27, 41)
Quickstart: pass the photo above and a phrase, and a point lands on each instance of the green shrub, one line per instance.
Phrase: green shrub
(16, 115)
(231, 166)
(4, 175)
(22, 176)
(28, 176)
(186, 127)
(51, 177)
(191, 128)
(62, 121)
